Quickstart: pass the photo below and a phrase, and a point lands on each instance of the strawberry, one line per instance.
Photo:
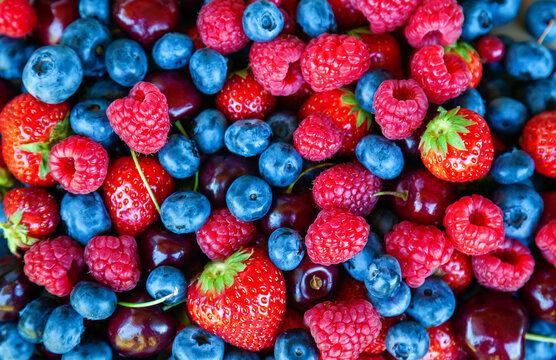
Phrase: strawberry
(443, 344)
(471, 58)
(341, 106)
(241, 300)
(6, 178)
(456, 146)
(538, 141)
(30, 128)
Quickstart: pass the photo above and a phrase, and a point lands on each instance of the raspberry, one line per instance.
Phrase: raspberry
(546, 242)
(386, 16)
(79, 164)
(400, 106)
(348, 186)
(223, 234)
(342, 329)
(475, 225)
(435, 22)
(17, 18)
(443, 77)
(458, 272)
(141, 119)
(220, 25)
(317, 137)
(114, 261)
(420, 249)
(330, 61)
(275, 64)
(507, 268)
(55, 264)
(335, 236)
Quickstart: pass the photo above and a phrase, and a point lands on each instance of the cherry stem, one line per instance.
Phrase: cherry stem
(168, 307)
(149, 303)
(401, 195)
(181, 129)
(7, 308)
(196, 183)
(546, 31)
(535, 337)
(145, 182)
(318, 166)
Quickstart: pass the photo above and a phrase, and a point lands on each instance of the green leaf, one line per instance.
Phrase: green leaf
(35, 147)
(61, 131)
(241, 73)
(361, 118)
(442, 145)
(455, 140)
(43, 167)
(217, 276)
(349, 99)
(361, 30)
(15, 219)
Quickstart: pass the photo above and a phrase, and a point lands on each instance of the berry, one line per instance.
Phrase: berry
(196, 343)
(358, 266)
(443, 344)
(12, 345)
(286, 248)
(420, 249)
(384, 51)
(471, 58)
(540, 95)
(380, 156)
(262, 21)
(55, 264)
(283, 124)
(470, 99)
(506, 116)
(336, 236)
(185, 211)
(538, 17)
(317, 137)
(546, 241)
(316, 17)
(208, 69)
(528, 61)
(53, 18)
(90, 347)
(432, 303)
(220, 25)
(84, 216)
(512, 167)
(295, 344)
(208, 130)
(475, 225)
(14, 54)
(93, 301)
(248, 137)
(491, 49)
(126, 62)
(63, 330)
(95, 9)
(538, 141)
(395, 304)
(114, 261)
(280, 164)
(106, 89)
(33, 317)
(367, 86)
(249, 198)
(179, 156)
(457, 272)
(88, 118)
(504, 11)
(172, 51)
(378, 344)
(407, 340)
(166, 280)
(386, 16)
(435, 22)
(477, 19)
(18, 18)
(346, 14)
(383, 277)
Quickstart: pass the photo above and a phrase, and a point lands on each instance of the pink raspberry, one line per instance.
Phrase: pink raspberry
(275, 64)
(318, 137)
(220, 25)
(507, 268)
(400, 107)
(386, 15)
(546, 242)
(435, 22)
(420, 249)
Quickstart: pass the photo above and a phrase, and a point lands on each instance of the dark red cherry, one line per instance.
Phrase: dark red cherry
(492, 325)
(7, 92)
(15, 288)
(295, 211)
(427, 197)
(53, 17)
(539, 293)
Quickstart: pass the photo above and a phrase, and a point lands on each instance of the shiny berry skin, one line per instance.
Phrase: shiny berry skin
(346, 14)
(33, 318)
(17, 18)
(539, 293)
(296, 211)
(15, 288)
(457, 272)
(435, 22)
(63, 331)
(386, 16)
(93, 301)
(378, 344)
(317, 137)
(295, 343)
(491, 49)
(443, 344)
(546, 241)
(539, 141)
(471, 58)
(53, 17)
(407, 340)
(384, 51)
(285, 248)
(432, 303)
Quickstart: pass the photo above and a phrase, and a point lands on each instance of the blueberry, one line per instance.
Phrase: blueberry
(503, 11)
(382, 221)
(172, 51)
(540, 350)
(394, 305)
(283, 124)
(477, 19)
(529, 61)
(296, 344)
(522, 207)
(540, 96)
(88, 38)
(407, 340)
(180, 156)
(432, 303)
(537, 18)
(241, 354)
(358, 266)
(512, 167)
(506, 116)
(12, 346)
(249, 198)
(88, 118)
(383, 276)
(63, 330)
(96, 9)
(367, 86)
(185, 211)
(262, 21)
(470, 99)
(85, 216)
(196, 343)
(53, 73)
(93, 301)
(107, 89)
(380, 156)
(248, 137)
(164, 280)
(280, 164)
(90, 349)
(315, 17)
(285, 248)
(126, 62)
(208, 129)
(492, 88)
(33, 317)
(208, 70)
(14, 54)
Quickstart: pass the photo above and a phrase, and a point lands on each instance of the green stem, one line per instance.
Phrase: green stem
(401, 195)
(147, 186)
(168, 307)
(318, 166)
(149, 303)
(196, 184)
(535, 337)
(545, 32)
(181, 129)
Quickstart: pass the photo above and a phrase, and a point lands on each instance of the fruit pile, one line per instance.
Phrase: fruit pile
(277, 180)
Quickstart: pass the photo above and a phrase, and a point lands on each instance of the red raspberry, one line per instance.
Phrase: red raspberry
(342, 329)
(346, 14)
(114, 261)
(348, 186)
(55, 264)
(400, 106)
(435, 22)
(443, 344)
(475, 225)
(546, 242)
(378, 344)
(317, 137)
(386, 15)
(330, 61)
(79, 164)
(506, 268)
(17, 18)
(443, 77)
(335, 236)
(275, 64)
(223, 234)
(420, 249)
(458, 272)
(220, 25)
(141, 119)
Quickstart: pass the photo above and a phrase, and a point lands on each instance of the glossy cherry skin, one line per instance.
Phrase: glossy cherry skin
(7, 92)
(15, 288)
(140, 332)
(309, 284)
(492, 325)
(295, 211)
(53, 17)
(146, 20)
(539, 293)
(184, 100)
(427, 197)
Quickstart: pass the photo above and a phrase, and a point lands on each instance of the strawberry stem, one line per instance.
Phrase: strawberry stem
(541, 338)
(219, 275)
(145, 182)
(303, 173)
(149, 303)
(401, 195)
(181, 129)
(545, 32)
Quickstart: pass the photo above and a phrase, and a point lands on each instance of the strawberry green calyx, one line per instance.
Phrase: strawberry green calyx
(363, 117)
(462, 48)
(6, 181)
(444, 130)
(16, 233)
(360, 30)
(219, 275)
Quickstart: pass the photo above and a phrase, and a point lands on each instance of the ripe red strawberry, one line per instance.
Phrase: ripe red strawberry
(126, 198)
(386, 15)
(242, 97)
(6, 177)
(141, 119)
(546, 241)
(435, 22)
(442, 344)
(456, 146)
(341, 106)
(538, 141)
(317, 137)
(241, 300)
(32, 214)
(471, 58)
(29, 130)
(457, 272)
(17, 18)
(346, 15)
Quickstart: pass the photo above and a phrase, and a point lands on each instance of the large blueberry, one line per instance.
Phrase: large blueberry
(407, 340)
(280, 164)
(506, 116)
(477, 19)
(33, 317)
(285, 248)
(96, 9)
(296, 344)
(172, 51)
(85, 216)
(165, 280)
(538, 17)
(12, 346)
(248, 137)
(394, 305)
(503, 11)
(196, 343)
(208, 70)
(63, 330)
(180, 156)
(249, 198)
(262, 21)
(529, 61)
(381, 156)
(512, 167)
(185, 211)
(126, 62)
(316, 17)
(88, 118)
(93, 301)
(383, 276)
(432, 303)
(207, 129)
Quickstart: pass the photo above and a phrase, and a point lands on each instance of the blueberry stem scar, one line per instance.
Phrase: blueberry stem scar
(147, 186)
(149, 303)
